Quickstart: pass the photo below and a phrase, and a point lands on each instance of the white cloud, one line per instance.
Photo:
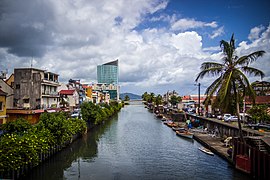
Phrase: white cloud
(255, 32)
(185, 24)
(260, 43)
(217, 32)
(83, 34)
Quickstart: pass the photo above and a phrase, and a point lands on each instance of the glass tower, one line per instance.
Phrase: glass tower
(108, 73)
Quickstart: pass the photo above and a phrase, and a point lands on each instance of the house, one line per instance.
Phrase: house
(261, 88)
(10, 80)
(32, 116)
(3, 114)
(35, 89)
(76, 85)
(70, 97)
(259, 100)
(88, 92)
(112, 89)
(10, 93)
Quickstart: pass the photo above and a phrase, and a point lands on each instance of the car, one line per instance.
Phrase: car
(76, 113)
(232, 118)
(226, 117)
(219, 117)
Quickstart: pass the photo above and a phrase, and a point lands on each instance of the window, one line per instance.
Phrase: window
(1, 106)
(17, 86)
(26, 100)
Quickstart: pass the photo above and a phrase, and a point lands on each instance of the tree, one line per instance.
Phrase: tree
(158, 100)
(127, 98)
(259, 113)
(175, 99)
(232, 82)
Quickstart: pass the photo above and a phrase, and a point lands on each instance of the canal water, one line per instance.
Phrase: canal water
(134, 145)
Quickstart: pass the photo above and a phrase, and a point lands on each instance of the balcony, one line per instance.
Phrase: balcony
(49, 82)
(50, 93)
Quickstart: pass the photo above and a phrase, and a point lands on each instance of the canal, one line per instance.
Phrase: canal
(134, 145)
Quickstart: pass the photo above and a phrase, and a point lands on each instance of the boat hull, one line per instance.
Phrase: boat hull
(206, 151)
(185, 134)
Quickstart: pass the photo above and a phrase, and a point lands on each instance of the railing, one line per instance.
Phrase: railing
(52, 93)
(251, 160)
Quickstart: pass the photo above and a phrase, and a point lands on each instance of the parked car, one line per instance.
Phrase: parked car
(210, 115)
(220, 117)
(76, 113)
(231, 118)
(226, 117)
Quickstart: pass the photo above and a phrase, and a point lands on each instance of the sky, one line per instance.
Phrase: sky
(160, 44)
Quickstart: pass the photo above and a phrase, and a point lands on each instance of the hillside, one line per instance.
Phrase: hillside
(130, 95)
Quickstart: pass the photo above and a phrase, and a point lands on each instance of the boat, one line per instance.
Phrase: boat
(178, 129)
(159, 115)
(185, 134)
(207, 151)
(163, 119)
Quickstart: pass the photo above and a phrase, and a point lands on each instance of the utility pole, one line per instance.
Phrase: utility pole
(199, 103)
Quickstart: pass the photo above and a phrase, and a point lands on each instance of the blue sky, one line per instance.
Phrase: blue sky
(160, 44)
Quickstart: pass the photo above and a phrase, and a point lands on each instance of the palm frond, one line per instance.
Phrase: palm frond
(213, 87)
(247, 89)
(252, 71)
(246, 60)
(213, 71)
(207, 65)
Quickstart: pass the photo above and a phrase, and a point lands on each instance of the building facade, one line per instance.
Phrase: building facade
(3, 114)
(10, 93)
(108, 73)
(35, 89)
(71, 97)
(112, 89)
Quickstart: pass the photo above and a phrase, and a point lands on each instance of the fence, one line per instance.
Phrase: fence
(251, 160)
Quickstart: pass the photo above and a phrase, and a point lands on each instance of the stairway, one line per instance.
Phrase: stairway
(259, 144)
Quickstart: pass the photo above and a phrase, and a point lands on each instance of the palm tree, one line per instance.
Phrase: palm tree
(158, 100)
(232, 83)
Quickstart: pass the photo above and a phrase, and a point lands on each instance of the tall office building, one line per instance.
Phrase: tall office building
(108, 73)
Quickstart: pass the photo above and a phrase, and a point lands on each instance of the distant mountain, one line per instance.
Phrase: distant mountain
(130, 95)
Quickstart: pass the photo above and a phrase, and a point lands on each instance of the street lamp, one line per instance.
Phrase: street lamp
(199, 98)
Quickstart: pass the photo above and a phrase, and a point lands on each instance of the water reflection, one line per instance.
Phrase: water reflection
(134, 145)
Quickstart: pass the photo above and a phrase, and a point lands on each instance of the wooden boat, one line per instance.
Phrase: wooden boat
(167, 121)
(185, 134)
(178, 129)
(207, 151)
(159, 115)
(163, 119)
(171, 124)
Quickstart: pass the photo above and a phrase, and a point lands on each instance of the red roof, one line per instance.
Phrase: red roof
(258, 100)
(67, 92)
(186, 98)
(86, 86)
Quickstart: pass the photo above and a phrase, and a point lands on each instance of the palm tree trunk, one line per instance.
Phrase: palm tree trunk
(238, 113)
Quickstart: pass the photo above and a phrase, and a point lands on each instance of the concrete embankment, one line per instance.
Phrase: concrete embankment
(215, 144)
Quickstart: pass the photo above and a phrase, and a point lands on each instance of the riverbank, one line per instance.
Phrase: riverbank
(24, 146)
(215, 144)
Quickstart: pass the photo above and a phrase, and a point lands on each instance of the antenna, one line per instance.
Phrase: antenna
(32, 62)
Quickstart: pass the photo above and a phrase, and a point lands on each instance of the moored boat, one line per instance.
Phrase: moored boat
(178, 128)
(185, 134)
(207, 151)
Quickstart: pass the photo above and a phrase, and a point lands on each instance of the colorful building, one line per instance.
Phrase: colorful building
(70, 97)
(3, 114)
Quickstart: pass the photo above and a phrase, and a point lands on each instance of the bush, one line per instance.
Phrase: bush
(22, 143)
